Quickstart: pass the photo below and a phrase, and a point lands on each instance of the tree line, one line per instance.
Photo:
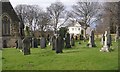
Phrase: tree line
(85, 13)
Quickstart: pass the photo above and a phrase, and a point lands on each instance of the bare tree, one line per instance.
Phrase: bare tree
(86, 13)
(29, 15)
(56, 10)
(21, 11)
(43, 21)
(112, 15)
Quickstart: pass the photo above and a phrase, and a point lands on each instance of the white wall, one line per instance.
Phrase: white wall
(75, 30)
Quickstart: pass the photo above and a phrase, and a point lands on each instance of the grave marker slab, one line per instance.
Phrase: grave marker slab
(26, 46)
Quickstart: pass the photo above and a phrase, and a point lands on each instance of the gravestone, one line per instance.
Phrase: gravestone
(53, 42)
(76, 38)
(67, 41)
(38, 41)
(91, 39)
(109, 41)
(58, 43)
(62, 41)
(34, 43)
(4, 44)
(105, 48)
(72, 41)
(81, 37)
(42, 42)
(26, 46)
(19, 43)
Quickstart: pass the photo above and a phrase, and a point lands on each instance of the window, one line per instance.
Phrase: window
(5, 26)
(72, 29)
(78, 28)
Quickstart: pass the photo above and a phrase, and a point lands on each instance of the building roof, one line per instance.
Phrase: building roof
(7, 8)
(74, 24)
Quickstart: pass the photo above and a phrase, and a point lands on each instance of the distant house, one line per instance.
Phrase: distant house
(75, 28)
(9, 25)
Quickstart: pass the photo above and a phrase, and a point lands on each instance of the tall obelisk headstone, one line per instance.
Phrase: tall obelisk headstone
(105, 47)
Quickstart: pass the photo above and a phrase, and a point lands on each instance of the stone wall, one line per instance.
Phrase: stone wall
(0, 25)
(10, 41)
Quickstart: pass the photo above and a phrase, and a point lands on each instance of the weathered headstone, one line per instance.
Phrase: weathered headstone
(42, 42)
(81, 37)
(4, 44)
(26, 46)
(34, 43)
(72, 41)
(38, 41)
(105, 48)
(76, 38)
(109, 41)
(53, 42)
(58, 47)
(67, 41)
(91, 39)
(19, 43)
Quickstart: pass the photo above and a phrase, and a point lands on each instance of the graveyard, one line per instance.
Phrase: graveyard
(81, 36)
(78, 57)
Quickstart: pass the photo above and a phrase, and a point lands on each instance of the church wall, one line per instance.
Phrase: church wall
(14, 29)
(0, 24)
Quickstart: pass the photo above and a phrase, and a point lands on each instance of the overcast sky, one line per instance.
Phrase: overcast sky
(45, 3)
(42, 3)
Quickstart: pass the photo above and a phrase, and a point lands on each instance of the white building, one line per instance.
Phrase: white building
(75, 28)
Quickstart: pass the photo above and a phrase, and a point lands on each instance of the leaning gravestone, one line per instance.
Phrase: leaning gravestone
(34, 43)
(91, 39)
(42, 42)
(72, 41)
(105, 48)
(67, 41)
(26, 46)
(58, 43)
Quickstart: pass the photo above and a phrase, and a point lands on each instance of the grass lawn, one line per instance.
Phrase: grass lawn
(78, 57)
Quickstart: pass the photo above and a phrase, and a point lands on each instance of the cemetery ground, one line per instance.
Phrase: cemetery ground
(79, 57)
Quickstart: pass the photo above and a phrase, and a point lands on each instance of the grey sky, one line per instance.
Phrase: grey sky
(42, 3)
(45, 3)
